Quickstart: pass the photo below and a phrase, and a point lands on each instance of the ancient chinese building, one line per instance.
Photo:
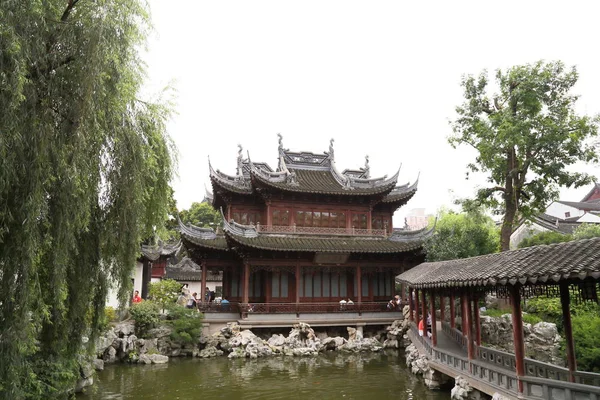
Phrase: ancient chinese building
(299, 238)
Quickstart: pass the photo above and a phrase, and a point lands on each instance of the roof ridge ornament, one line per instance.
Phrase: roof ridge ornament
(240, 163)
(280, 142)
(331, 151)
(367, 168)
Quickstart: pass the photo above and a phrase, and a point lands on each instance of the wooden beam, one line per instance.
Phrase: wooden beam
(518, 338)
(565, 301)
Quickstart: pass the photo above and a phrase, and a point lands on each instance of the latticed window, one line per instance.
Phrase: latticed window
(246, 218)
(380, 222)
(321, 219)
(281, 217)
(359, 221)
(324, 285)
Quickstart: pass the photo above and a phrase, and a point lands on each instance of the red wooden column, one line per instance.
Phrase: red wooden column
(203, 289)
(246, 288)
(424, 309)
(466, 315)
(417, 319)
(359, 284)
(477, 321)
(269, 216)
(463, 316)
(433, 320)
(297, 286)
(519, 341)
(410, 305)
(452, 311)
(565, 301)
(442, 308)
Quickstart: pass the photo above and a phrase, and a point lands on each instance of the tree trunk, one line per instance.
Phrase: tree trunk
(510, 202)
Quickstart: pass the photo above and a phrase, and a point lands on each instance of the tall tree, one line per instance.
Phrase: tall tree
(526, 135)
(201, 214)
(84, 172)
(462, 235)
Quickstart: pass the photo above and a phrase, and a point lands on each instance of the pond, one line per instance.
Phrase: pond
(329, 376)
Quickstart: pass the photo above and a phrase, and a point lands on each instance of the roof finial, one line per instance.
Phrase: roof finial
(367, 168)
(240, 161)
(331, 148)
(280, 142)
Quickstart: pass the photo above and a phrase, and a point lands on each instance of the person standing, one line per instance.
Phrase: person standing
(136, 297)
(192, 301)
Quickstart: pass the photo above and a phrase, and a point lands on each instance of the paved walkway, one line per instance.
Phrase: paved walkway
(445, 342)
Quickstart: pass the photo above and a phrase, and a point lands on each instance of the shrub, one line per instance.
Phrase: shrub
(146, 315)
(110, 314)
(165, 292)
(587, 341)
(186, 323)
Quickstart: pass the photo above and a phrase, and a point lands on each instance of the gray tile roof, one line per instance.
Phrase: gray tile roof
(154, 252)
(548, 263)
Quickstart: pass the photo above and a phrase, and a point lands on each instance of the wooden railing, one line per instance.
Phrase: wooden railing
(308, 308)
(317, 230)
(214, 307)
(498, 368)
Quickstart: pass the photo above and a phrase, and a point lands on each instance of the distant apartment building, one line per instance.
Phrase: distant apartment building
(417, 219)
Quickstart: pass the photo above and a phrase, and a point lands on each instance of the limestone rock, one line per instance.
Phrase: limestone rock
(276, 340)
(125, 328)
(83, 383)
(98, 364)
(158, 359)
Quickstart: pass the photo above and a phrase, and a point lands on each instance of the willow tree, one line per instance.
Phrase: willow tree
(84, 172)
(526, 135)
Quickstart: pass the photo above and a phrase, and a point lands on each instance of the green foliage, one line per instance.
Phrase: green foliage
(84, 173)
(586, 231)
(531, 318)
(202, 215)
(587, 341)
(146, 315)
(549, 309)
(526, 134)
(548, 237)
(462, 235)
(494, 312)
(165, 292)
(585, 319)
(110, 314)
(186, 323)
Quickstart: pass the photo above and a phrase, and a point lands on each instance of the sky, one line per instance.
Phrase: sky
(382, 78)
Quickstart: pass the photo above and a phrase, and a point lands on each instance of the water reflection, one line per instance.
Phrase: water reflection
(330, 376)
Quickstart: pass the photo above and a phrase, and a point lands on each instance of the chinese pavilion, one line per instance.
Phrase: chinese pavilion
(299, 239)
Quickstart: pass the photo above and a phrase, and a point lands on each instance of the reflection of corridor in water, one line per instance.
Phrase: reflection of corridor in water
(376, 376)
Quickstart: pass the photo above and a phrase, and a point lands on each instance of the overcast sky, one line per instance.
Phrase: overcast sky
(380, 77)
